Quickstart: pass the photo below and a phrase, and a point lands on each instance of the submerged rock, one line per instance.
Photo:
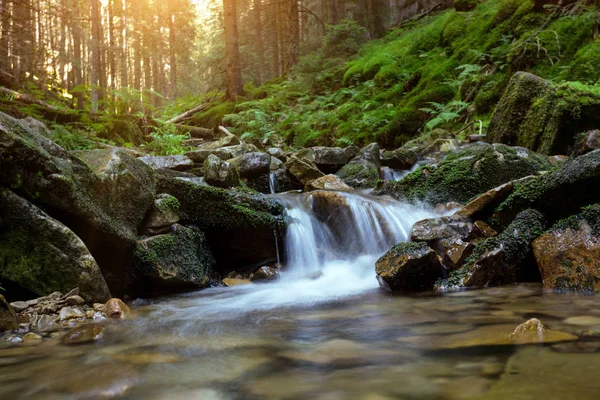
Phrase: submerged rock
(8, 317)
(236, 282)
(220, 173)
(409, 267)
(83, 334)
(363, 170)
(327, 182)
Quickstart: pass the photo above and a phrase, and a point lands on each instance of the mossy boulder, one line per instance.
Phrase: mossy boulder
(400, 158)
(176, 162)
(363, 170)
(503, 259)
(303, 170)
(102, 200)
(220, 173)
(542, 116)
(466, 173)
(409, 267)
(241, 228)
(8, 317)
(329, 159)
(568, 255)
(178, 260)
(163, 215)
(39, 255)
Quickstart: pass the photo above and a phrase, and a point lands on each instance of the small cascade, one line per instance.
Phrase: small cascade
(272, 182)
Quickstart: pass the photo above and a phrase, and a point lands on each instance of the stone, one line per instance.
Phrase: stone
(266, 274)
(284, 181)
(41, 255)
(568, 258)
(481, 230)
(148, 358)
(163, 214)
(465, 5)
(68, 313)
(585, 320)
(363, 170)
(465, 174)
(537, 114)
(329, 159)
(484, 205)
(276, 164)
(441, 228)
(220, 173)
(44, 323)
(586, 142)
(477, 138)
(8, 317)
(224, 153)
(236, 282)
(399, 159)
(409, 267)
(302, 170)
(443, 146)
(19, 306)
(83, 334)
(252, 165)
(116, 309)
(172, 262)
(277, 153)
(75, 301)
(454, 252)
(98, 307)
(175, 162)
(32, 338)
(327, 182)
(72, 292)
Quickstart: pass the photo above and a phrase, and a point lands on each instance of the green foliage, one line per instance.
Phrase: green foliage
(344, 38)
(166, 140)
(442, 114)
(71, 138)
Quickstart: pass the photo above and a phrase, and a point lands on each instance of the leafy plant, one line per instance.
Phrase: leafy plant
(442, 114)
(166, 140)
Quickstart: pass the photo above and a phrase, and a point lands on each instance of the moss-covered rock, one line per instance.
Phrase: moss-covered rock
(163, 215)
(503, 259)
(240, 227)
(175, 261)
(39, 255)
(543, 116)
(8, 318)
(402, 158)
(252, 165)
(329, 159)
(465, 173)
(220, 173)
(363, 170)
(303, 170)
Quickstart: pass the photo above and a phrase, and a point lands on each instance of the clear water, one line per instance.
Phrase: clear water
(325, 331)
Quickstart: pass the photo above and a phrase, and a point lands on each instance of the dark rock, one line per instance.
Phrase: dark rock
(465, 5)
(175, 261)
(453, 251)
(466, 173)
(587, 142)
(568, 255)
(41, 255)
(8, 317)
(163, 215)
(220, 173)
(481, 230)
(266, 274)
(177, 163)
(477, 138)
(538, 114)
(252, 165)
(400, 158)
(284, 181)
(329, 159)
(409, 267)
(304, 171)
(363, 170)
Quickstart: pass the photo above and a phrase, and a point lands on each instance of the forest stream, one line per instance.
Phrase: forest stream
(326, 331)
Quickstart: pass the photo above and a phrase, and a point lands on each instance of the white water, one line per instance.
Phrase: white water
(330, 253)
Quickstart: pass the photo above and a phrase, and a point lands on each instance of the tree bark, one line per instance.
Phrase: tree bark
(232, 49)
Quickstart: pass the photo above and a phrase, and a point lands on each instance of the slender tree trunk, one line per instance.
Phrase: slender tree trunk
(294, 34)
(172, 57)
(234, 71)
(260, 45)
(96, 56)
(77, 50)
(5, 61)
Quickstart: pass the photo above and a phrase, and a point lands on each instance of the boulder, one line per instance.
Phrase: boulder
(504, 259)
(327, 182)
(400, 158)
(224, 153)
(175, 261)
(277, 153)
(587, 142)
(543, 116)
(484, 205)
(433, 229)
(284, 181)
(568, 255)
(363, 170)
(177, 162)
(304, 171)
(163, 214)
(8, 317)
(252, 165)
(409, 267)
(220, 173)
(116, 309)
(39, 255)
(329, 159)
(466, 173)
(240, 227)
(102, 200)
(454, 252)
(266, 274)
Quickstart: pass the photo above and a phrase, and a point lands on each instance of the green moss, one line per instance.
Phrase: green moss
(359, 175)
(213, 117)
(410, 249)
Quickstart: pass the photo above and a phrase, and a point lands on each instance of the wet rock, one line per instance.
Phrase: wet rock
(284, 181)
(32, 338)
(163, 214)
(176, 162)
(443, 208)
(453, 251)
(441, 228)
(252, 165)
(477, 138)
(116, 309)
(409, 267)
(363, 170)
(329, 159)
(148, 358)
(443, 146)
(8, 317)
(236, 282)
(68, 313)
(399, 159)
(75, 301)
(481, 230)
(277, 153)
(175, 261)
(266, 274)
(304, 171)
(98, 307)
(224, 153)
(220, 173)
(44, 323)
(568, 257)
(586, 142)
(484, 205)
(327, 182)
(466, 173)
(19, 306)
(41, 255)
(82, 334)
(276, 164)
(585, 320)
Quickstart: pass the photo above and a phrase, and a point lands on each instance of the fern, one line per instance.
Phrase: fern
(442, 114)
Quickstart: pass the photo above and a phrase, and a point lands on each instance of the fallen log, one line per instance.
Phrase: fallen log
(188, 114)
(196, 132)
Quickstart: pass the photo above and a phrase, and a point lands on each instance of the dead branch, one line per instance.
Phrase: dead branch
(188, 114)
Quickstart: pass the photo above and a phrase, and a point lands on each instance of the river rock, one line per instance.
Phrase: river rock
(304, 171)
(433, 229)
(400, 158)
(175, 261)
(363, 170)
(329, 159)
(83, 334)
(224, 153)
(277, 153)
(68, 313)
(230, 282)
(220, 173)
(466, 173)
(75, 301)
(567, 256)
(266, 274)
(41, 255)
(240, 227)
(163, 214)
(19, 306)
(116, 309)
(8, 317)
(484, 205)
(454, 251)
(327, 182)
(284, 181)
(44, 323)
(409, 267)
(252, 165)
(175, 162)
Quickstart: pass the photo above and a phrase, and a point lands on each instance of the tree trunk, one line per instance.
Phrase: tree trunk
(260, 45)
(5, 61)
(234, 71)
(96, 57)
(172, 57)
(77, 50)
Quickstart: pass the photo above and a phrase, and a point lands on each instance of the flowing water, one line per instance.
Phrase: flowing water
(326, 331)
